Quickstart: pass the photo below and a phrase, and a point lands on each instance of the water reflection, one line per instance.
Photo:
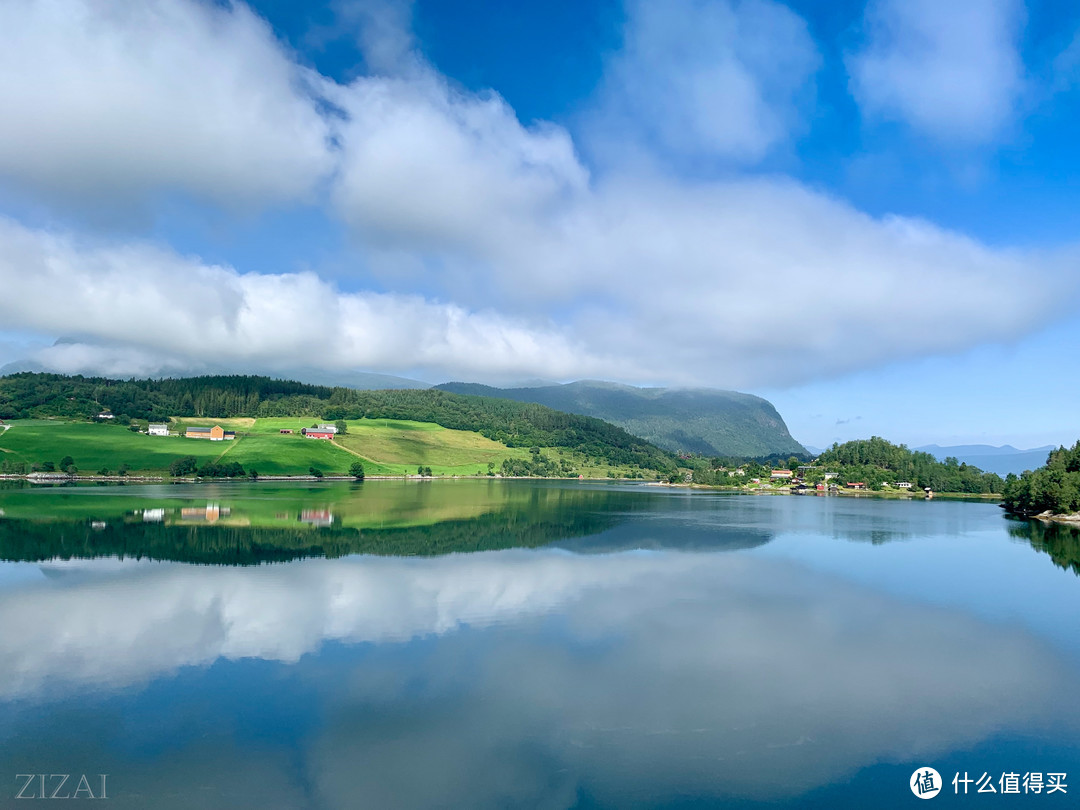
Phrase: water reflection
(1059, 540)
(246, 524)
(511, 678)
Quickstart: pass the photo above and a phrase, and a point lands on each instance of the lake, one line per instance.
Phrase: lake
(496, 643)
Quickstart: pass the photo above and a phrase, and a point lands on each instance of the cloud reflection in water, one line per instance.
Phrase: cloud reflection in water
(540, 676)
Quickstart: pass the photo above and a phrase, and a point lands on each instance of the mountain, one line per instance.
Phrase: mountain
(1001, 460)
(697, 420)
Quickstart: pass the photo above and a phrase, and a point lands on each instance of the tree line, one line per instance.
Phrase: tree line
(1054, 487)
(874, 462)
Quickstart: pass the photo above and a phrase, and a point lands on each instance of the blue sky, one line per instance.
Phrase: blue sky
(865, 211)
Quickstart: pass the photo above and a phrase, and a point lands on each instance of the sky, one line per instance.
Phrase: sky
(867, 212)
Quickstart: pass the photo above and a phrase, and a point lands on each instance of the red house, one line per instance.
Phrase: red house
(317, 433)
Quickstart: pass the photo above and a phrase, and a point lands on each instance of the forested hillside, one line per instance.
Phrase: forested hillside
(875, 461)
(1054, 487)
(515, 424)
(704, 421)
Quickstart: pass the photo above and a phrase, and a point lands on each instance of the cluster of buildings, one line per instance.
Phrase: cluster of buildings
(219, 434)
(797, 480)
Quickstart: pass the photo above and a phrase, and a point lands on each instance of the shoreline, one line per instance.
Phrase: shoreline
(61, 478)
(1055, 517)
(844, 493)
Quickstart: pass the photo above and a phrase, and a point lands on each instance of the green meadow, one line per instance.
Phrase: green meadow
(97, 446)
(384, 446)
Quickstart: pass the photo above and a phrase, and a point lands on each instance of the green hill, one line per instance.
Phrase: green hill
(583, 444)
(877, 462)
(700, 420)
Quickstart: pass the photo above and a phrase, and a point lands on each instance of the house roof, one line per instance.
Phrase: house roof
(199, 430)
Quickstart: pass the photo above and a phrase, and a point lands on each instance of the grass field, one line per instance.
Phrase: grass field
(401, 446)
(384, 446)
(95, 446)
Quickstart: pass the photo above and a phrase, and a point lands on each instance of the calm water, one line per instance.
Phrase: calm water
(513, 644)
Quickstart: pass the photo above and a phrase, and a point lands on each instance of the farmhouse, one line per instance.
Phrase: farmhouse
(780, 474)
(856, 485)
(319, 432)
(158, 429)
(215, 434)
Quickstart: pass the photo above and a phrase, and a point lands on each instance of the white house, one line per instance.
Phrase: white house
(158, 429)
(904, 485)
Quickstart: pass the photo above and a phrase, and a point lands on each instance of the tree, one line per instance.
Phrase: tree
(315, 471)
(48, 466)
(66, 461)
(341, 426)
(103, 471)
(183, 466)
(357, 471)
(253, 474)
(427, 472)
(123, 470)
(419, 470)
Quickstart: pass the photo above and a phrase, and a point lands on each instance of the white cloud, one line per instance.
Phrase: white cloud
(430, 166)
(156, 308)
(708, 78)
(948, 69)
(115, 100)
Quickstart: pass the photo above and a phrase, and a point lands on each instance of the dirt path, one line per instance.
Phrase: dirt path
(232, 443)
(353, 452)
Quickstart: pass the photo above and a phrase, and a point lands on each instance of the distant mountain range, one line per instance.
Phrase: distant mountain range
(1001, 460)
(702, 420)
(360, 380)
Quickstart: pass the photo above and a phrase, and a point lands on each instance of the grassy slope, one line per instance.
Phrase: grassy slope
(385, 446)
(94, 446)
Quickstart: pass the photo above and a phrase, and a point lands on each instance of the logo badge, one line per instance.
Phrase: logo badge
(925, 783)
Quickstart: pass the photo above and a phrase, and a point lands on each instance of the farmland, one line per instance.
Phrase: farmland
(385, 447)
(97, 446)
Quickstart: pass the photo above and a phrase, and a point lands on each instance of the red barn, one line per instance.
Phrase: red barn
(317, 433)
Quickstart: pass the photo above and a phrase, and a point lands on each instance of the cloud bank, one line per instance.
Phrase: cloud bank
(507, 252)
(157, 310)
